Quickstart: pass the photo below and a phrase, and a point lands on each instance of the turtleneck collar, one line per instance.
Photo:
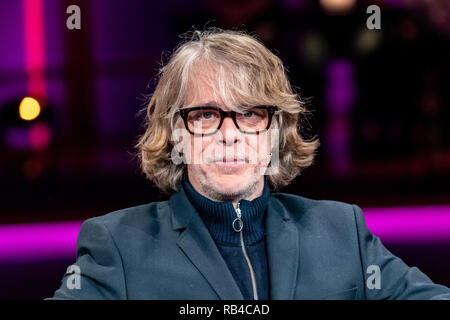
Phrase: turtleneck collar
(219, 216)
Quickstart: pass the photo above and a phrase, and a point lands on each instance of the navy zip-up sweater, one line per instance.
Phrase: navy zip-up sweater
(218, 218)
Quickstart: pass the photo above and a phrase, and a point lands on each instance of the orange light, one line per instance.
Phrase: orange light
(29, 109)
(337, 6)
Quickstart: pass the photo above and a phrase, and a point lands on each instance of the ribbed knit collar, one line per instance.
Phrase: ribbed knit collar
(219, 216)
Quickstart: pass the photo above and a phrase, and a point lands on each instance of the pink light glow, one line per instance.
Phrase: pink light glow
(40, 136)
(410, 224)
(35, 46)
(57, 240)
(38, 241)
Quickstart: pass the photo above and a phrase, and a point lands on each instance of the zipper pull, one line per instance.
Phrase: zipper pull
(237, 223)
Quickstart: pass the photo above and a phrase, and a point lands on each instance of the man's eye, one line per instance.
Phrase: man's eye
(248, 114)
(207, 115)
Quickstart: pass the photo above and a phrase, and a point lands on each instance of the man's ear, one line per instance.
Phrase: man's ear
(274, 152)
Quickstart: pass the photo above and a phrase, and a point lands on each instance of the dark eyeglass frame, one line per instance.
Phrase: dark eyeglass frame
(223, 114)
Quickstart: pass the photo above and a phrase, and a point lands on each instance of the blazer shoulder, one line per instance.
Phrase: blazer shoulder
(136, 215)
(332, 209)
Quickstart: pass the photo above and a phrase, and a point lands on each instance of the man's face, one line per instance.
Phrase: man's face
(227, 165)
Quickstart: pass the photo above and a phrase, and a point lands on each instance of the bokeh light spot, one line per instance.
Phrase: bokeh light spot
(29, 109)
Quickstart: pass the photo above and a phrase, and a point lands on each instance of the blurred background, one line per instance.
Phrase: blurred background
(69, 103)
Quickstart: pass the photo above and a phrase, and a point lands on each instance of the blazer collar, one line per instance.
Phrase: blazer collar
(282, 241)
(283, 250)
(197, 244)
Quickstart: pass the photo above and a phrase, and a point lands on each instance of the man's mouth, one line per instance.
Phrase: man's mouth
(230, 161)
(229, 165)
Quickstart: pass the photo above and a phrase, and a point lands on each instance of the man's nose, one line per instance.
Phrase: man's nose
(229, 132)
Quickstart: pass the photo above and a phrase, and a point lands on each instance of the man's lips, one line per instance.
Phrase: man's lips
(230, 161)
(228, 166)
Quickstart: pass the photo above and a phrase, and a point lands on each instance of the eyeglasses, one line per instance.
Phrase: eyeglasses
(204, 121)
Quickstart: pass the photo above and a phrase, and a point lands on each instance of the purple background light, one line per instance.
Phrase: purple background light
(340, 96)
(48, 241)
(17, 138)
(422, 224)
(38, 241)
(341, 90)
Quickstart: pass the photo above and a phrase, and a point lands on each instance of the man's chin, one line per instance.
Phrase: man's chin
(230, 181)
(229, 169)
(230, 185)
(227, 188)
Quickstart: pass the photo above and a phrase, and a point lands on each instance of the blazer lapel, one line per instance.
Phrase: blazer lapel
(198, 245)
(282, 251)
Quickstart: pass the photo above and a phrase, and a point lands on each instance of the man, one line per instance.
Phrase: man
(221, 132)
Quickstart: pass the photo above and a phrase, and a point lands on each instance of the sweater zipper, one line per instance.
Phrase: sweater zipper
(238, 226)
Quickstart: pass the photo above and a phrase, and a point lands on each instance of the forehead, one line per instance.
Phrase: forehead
(202, 86)
(227, 86)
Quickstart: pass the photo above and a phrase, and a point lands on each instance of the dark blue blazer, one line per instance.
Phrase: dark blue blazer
(317, 249)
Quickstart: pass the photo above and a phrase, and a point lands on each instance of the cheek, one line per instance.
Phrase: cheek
(200, 145)
(251, 145)
(258, 145)
(205, 143)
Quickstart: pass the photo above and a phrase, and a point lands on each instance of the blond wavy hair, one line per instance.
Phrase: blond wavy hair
(247, 73)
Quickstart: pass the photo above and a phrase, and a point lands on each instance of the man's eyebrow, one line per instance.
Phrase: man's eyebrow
(208, 104)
